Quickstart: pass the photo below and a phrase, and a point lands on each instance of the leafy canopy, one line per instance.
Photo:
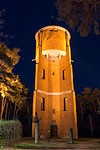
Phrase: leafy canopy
(11, 88)
(89, 101)
(80, 15)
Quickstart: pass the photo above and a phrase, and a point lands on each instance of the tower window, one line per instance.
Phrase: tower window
(65, 103)
(53, 73)
(51, 29)
(64, 74)
(55, 30)
(43, 74)
(42, 104)
(53, 111)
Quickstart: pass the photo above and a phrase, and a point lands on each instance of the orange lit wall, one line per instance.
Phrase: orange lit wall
(53, 55)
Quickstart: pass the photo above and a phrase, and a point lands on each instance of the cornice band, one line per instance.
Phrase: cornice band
(49, 93)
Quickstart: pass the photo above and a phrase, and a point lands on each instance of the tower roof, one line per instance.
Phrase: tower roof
(52, 27)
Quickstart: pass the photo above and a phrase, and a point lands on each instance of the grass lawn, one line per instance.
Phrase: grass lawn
(81, 143)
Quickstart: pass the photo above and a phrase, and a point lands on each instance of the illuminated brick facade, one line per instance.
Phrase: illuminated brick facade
(54, 96)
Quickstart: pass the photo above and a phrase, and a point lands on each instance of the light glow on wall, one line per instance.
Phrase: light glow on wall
(53, 52)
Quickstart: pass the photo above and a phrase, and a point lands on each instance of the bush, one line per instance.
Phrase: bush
(10, 132)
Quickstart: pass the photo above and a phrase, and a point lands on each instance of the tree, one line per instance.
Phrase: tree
(80, 106)
(25, 115)
(11, 88)
(3, 36)
(15, 97)
(8, 58)
(20, 96)
(88, 104)
(80, 15)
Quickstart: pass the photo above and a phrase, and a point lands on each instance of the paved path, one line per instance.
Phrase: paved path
(60, 144)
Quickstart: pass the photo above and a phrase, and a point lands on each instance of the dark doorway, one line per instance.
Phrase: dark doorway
(53, 131)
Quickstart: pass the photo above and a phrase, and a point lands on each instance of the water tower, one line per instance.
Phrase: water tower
(54, 95)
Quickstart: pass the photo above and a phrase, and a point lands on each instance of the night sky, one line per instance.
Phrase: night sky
(24, 18)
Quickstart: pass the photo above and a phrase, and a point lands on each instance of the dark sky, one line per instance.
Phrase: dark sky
(24, 18)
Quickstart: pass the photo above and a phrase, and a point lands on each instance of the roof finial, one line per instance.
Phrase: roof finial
(52, 20)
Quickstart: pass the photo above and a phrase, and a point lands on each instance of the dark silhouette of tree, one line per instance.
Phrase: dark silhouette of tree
(88, 108)
(80, 15)
(3, 36)
(25, 115)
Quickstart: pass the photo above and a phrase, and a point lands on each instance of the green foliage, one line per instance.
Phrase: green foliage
(10, 132)
(82, 15)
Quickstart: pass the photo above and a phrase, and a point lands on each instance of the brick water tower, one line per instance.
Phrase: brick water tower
(54, 95)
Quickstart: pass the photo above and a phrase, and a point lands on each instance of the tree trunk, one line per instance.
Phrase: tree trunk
(28, 117)
(97, 119)
(14, 112)
(8, 114)
(81, 114)
(3, 103)
(1, 109)
(91, 124)
(6, 111)
(11, 111)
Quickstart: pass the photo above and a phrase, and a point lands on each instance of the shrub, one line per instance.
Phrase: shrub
(10, 132)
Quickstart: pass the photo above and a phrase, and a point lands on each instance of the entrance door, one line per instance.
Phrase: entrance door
(53, 131)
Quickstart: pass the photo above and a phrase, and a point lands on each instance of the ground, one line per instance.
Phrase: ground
(80, 144)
